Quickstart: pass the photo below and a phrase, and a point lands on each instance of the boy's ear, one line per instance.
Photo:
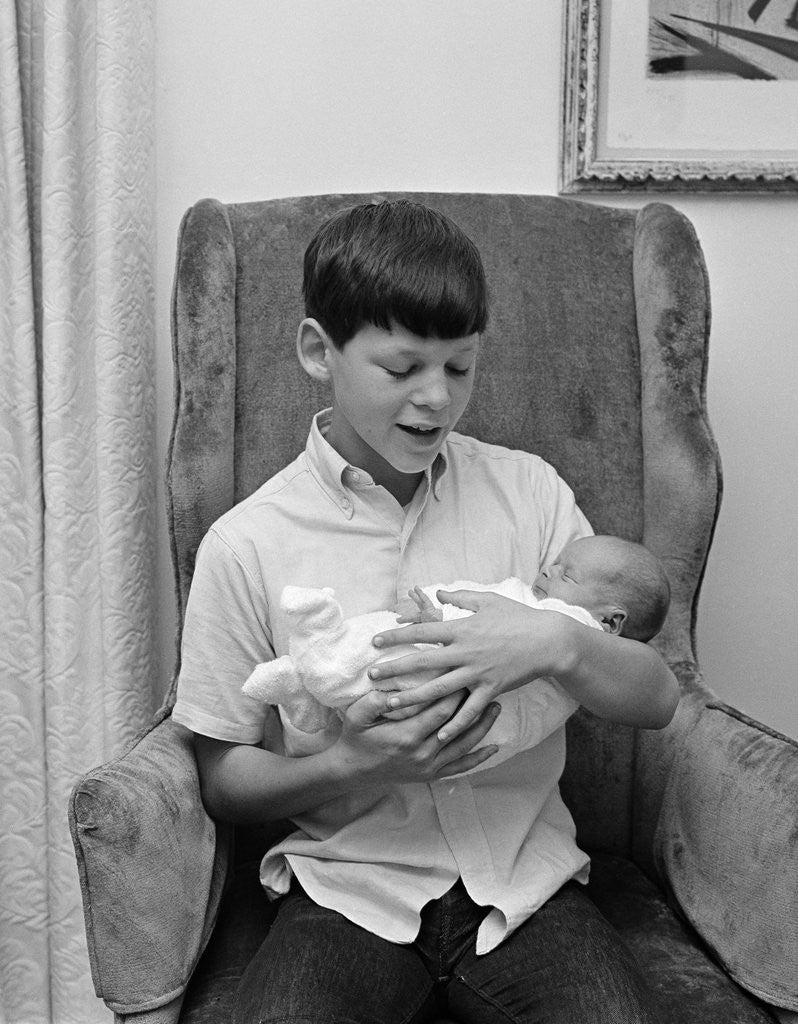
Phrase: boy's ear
(612, 620)
(313, 345)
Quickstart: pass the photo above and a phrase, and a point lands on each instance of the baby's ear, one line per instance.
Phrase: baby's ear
(612, 620)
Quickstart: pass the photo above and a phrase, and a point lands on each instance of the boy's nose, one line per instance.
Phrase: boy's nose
(433, 393)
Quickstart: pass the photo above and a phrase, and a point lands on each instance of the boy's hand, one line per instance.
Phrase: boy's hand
(376, 749)
(502, 646)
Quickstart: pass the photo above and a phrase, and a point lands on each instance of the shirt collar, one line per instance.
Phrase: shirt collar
(337, 475)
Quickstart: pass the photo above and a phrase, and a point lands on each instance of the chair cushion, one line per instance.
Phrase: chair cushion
(728, 826)
(690, 987)
(242, 925)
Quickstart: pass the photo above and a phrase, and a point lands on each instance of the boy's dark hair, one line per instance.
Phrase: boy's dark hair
(394, 262)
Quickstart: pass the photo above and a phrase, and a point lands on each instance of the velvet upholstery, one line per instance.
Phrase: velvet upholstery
(596, 358)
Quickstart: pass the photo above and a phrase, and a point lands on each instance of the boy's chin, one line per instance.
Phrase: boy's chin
(416, 460)
(414, 467)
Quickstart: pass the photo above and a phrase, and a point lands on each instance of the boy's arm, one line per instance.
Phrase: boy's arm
(529, 715)
(248, 784)
(504, 644)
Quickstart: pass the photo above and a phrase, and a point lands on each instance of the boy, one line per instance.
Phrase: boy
(405, 886)
(605, 582)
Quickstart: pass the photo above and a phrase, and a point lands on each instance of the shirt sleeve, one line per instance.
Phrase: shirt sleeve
(529, 715)
(563, 520)
(225, 634)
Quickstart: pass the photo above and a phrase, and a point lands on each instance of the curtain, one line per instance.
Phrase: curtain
(76, 459)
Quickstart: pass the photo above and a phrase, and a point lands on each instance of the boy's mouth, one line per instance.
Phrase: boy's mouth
(422, 433)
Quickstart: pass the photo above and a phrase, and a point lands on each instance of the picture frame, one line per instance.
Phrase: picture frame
(626, 129)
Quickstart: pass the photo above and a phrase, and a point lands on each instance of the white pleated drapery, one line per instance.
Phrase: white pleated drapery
(76, 459)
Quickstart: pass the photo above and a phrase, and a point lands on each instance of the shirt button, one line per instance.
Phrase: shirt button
(346, 504)
(353, 476)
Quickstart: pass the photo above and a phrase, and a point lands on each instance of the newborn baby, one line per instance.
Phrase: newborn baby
(603, 582)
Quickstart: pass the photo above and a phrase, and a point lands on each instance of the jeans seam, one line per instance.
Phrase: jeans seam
(292, 1018)
(443, 942)
(488, 999)
(307, 1019)
(302, 1018)
(420, 1003)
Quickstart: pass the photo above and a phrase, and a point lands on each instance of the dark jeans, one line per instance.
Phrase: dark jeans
(565, 965)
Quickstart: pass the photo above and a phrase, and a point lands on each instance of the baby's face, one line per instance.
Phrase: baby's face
(576, 576)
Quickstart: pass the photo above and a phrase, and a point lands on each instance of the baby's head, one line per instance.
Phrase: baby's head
(619, 582)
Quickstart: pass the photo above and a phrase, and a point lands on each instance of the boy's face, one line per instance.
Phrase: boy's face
(577, 576)
(396, 397)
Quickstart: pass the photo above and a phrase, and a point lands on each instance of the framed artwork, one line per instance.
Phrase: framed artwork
(687, 95)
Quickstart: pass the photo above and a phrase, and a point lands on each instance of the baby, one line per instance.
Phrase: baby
(604, 582)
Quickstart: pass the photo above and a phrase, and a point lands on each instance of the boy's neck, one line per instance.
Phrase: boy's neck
(404, 489)
(402, 486)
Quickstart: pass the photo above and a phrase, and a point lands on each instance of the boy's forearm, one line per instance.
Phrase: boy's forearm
(616, 678)
(249, 785)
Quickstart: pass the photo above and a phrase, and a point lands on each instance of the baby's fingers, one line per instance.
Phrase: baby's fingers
(421, 599)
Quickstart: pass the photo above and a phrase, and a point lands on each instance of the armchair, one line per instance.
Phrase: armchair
(596, 359)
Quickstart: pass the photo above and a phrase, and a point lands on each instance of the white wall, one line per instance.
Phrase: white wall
(266, 98)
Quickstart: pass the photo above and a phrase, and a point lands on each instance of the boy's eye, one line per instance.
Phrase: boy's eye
(454, 371)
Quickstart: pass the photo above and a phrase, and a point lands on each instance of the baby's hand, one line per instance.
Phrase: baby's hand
(419, 608)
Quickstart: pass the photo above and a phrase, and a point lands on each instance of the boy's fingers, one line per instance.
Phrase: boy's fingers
(441, 686)
(367, 709)
(463, 719)
(468, 599)
(459, 746)
(432, 660)
(420, 633)
(430, 720)
(469, 761)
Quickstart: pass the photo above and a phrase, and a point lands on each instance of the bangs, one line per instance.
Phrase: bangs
(395, 263)
(429, 295)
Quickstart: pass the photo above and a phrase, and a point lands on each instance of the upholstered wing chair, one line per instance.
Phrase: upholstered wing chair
(595, 358)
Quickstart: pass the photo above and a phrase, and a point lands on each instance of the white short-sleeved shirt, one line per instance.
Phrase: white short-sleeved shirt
(377, 856)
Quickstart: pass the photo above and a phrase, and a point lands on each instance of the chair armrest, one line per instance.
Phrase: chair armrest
(151, 870)
(727, 846)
